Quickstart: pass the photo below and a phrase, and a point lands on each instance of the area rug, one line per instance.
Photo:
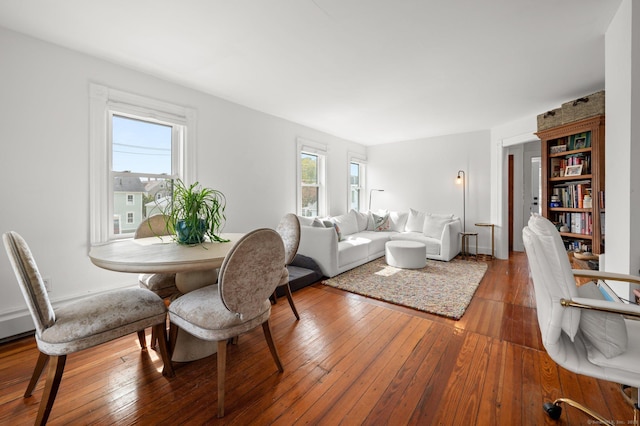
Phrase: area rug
(442, 288)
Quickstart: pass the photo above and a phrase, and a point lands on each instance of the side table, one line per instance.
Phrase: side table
(492, 237)
(465, 243)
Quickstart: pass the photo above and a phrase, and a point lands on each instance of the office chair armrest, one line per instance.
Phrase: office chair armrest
(602, 275)
(626, 309)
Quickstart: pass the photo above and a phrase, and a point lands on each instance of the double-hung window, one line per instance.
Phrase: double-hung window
(137, 146)
(312, 199)
(357, 167)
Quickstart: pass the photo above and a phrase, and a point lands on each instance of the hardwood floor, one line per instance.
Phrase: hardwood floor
(349, 360)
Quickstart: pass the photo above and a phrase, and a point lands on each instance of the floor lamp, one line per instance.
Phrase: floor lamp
(371, 193)
(461, 180)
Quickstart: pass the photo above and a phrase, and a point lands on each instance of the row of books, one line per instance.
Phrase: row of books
(559, 164)
(572, 194)
(578, 223)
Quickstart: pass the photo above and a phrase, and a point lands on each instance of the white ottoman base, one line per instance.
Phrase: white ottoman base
(405, 254)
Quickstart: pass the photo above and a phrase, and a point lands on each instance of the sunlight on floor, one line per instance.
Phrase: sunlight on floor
(388, 271)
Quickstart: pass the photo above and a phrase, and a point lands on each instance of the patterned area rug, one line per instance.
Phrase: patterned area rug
(442, 288)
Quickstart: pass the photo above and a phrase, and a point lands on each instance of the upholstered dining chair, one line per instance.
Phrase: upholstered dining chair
(289, 230)
(238, 303)
(79, 325)
(582, 330)
(164, 285)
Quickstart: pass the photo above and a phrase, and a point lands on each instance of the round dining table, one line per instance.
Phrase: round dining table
(194, 265)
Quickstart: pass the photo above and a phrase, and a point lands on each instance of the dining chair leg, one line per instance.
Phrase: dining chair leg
(154, 339)
(37, 372)
(173, 336)
(161, 334)
(54, 376)
(272, 346)
(143, 339)
(287, 290)
(222, 366)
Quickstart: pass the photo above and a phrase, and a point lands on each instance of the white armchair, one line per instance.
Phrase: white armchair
(581, 331)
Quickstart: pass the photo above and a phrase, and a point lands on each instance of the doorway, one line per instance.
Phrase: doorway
(524, 190)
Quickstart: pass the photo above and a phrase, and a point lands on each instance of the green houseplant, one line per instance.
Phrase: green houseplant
(195, 212)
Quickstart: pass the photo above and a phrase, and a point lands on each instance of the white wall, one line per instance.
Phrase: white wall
(507, 135)
(622, 62)
(248, 155)
(421, 174)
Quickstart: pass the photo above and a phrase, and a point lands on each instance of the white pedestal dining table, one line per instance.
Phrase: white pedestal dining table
(195, 266)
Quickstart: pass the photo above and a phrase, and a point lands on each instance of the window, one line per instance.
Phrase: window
(311, 179)
(141, 162)
(137, 146)
(356, 182)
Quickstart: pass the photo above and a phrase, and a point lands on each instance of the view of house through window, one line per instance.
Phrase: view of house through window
(310, 181)
(141, 169)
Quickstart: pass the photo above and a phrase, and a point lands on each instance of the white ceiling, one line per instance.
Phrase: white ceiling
(370, 71)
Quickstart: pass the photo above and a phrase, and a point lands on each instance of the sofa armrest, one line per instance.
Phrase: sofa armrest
(320, 244)
(450, 240)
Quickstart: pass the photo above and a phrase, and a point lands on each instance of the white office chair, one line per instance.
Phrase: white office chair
(581, 331)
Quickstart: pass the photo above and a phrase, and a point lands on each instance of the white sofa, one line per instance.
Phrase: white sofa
(340, 243)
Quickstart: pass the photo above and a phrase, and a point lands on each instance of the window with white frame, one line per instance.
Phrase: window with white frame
(137, 146)
(356, 184)
(312, 200)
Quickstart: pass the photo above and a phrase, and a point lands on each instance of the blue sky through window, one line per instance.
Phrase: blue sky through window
(141, 146)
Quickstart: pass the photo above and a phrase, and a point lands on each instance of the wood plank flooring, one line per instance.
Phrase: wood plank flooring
(349, 360)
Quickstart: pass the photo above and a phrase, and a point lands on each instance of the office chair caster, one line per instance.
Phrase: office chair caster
(552, 410)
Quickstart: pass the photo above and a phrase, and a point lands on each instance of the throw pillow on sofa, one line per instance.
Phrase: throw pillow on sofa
(330, 224)
(347, 222)
(398, 220)
(378, 222)
(434, 224)
(415, 221)
(361, 219)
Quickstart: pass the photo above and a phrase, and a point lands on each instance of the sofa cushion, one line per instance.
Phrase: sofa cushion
(378, 222)
(433, 244)
(434, 224)
(362, 219)
(305, 221)
(352, 250)
(347, 223)
(375, 241)
(398, 220)
(329, 224)
(415, 221)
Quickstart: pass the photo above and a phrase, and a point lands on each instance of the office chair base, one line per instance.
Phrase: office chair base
(553, 410)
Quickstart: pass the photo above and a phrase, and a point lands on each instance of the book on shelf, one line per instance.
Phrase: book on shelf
(571, 194)
(578, 223)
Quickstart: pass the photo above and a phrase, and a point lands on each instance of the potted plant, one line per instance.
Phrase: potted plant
(195, 212)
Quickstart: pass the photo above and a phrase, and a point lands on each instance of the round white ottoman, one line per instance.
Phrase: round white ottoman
(406, 254)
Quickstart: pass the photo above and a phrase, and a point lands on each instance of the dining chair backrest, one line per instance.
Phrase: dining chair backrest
(289, 230)
(30, 281)
(251, 271)
(152, 226)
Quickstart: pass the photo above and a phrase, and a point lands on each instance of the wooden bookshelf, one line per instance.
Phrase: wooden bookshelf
(580, 143)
